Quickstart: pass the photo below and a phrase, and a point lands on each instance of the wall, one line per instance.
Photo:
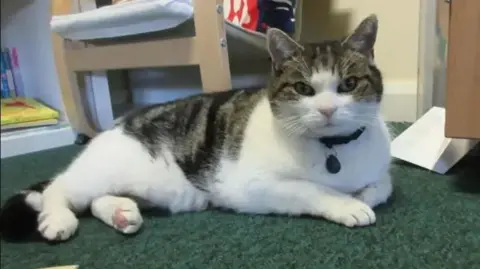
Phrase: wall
(433, 54)
(396, 50)
(426, 55)
(441, 41)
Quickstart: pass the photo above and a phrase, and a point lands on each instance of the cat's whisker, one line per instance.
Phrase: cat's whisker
(295, 128)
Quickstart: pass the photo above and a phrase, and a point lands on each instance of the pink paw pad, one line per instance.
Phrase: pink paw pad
(118, 219)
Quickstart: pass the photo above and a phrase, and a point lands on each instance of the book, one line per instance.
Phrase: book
(20, 109)
(17, 76)
(29, 124)
(9, 73)
(4, 82)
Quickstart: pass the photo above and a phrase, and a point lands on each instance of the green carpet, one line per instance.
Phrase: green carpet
(429, 224)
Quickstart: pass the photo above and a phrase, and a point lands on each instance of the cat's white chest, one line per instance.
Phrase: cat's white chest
(359, 165)
(362, 162)
(266, 153)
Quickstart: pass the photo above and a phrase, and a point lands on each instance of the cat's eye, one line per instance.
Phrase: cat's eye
(349, 84)
(304, 89)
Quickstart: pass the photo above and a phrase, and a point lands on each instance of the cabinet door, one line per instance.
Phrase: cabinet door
(463, 71)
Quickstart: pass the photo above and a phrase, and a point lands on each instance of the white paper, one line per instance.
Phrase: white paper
(424, 143)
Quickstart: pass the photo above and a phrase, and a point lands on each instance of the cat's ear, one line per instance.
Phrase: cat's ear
(364, 36)
(280, 46)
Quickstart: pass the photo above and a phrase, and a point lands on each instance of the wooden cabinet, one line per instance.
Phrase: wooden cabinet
(462, 101)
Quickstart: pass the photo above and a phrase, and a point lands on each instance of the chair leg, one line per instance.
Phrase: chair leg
(73, 100)
(211, 45)
(98, 96)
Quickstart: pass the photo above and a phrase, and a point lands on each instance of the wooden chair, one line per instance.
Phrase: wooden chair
(75, 59)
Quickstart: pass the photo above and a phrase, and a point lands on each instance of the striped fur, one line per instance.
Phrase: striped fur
(198, 129)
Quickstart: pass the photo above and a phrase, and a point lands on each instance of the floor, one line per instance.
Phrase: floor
(430, 223)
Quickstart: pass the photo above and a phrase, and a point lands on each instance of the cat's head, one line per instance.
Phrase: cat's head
(327, 88)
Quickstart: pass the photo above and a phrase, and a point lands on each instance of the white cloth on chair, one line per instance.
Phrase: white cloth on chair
(123, 19)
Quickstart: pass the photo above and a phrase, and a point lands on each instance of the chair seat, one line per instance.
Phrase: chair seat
(136, 18)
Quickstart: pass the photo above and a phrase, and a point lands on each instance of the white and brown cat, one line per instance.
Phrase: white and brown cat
(312, 142)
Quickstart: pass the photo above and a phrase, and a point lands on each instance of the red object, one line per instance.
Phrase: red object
(252, 11)
(18, 104)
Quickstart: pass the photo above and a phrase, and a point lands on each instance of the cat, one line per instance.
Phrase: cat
(312, 142)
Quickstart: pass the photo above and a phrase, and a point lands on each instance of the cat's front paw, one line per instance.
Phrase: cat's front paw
(351, 213)
(57, 225)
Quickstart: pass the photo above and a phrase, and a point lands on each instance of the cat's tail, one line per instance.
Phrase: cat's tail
(19, 214)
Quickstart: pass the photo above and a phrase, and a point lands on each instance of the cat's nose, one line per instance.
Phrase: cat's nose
(327, 111)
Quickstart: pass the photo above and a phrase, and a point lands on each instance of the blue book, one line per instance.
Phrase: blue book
(9, 71)
(4, 85)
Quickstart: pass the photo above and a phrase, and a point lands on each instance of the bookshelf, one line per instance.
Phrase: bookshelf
(25, 25)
